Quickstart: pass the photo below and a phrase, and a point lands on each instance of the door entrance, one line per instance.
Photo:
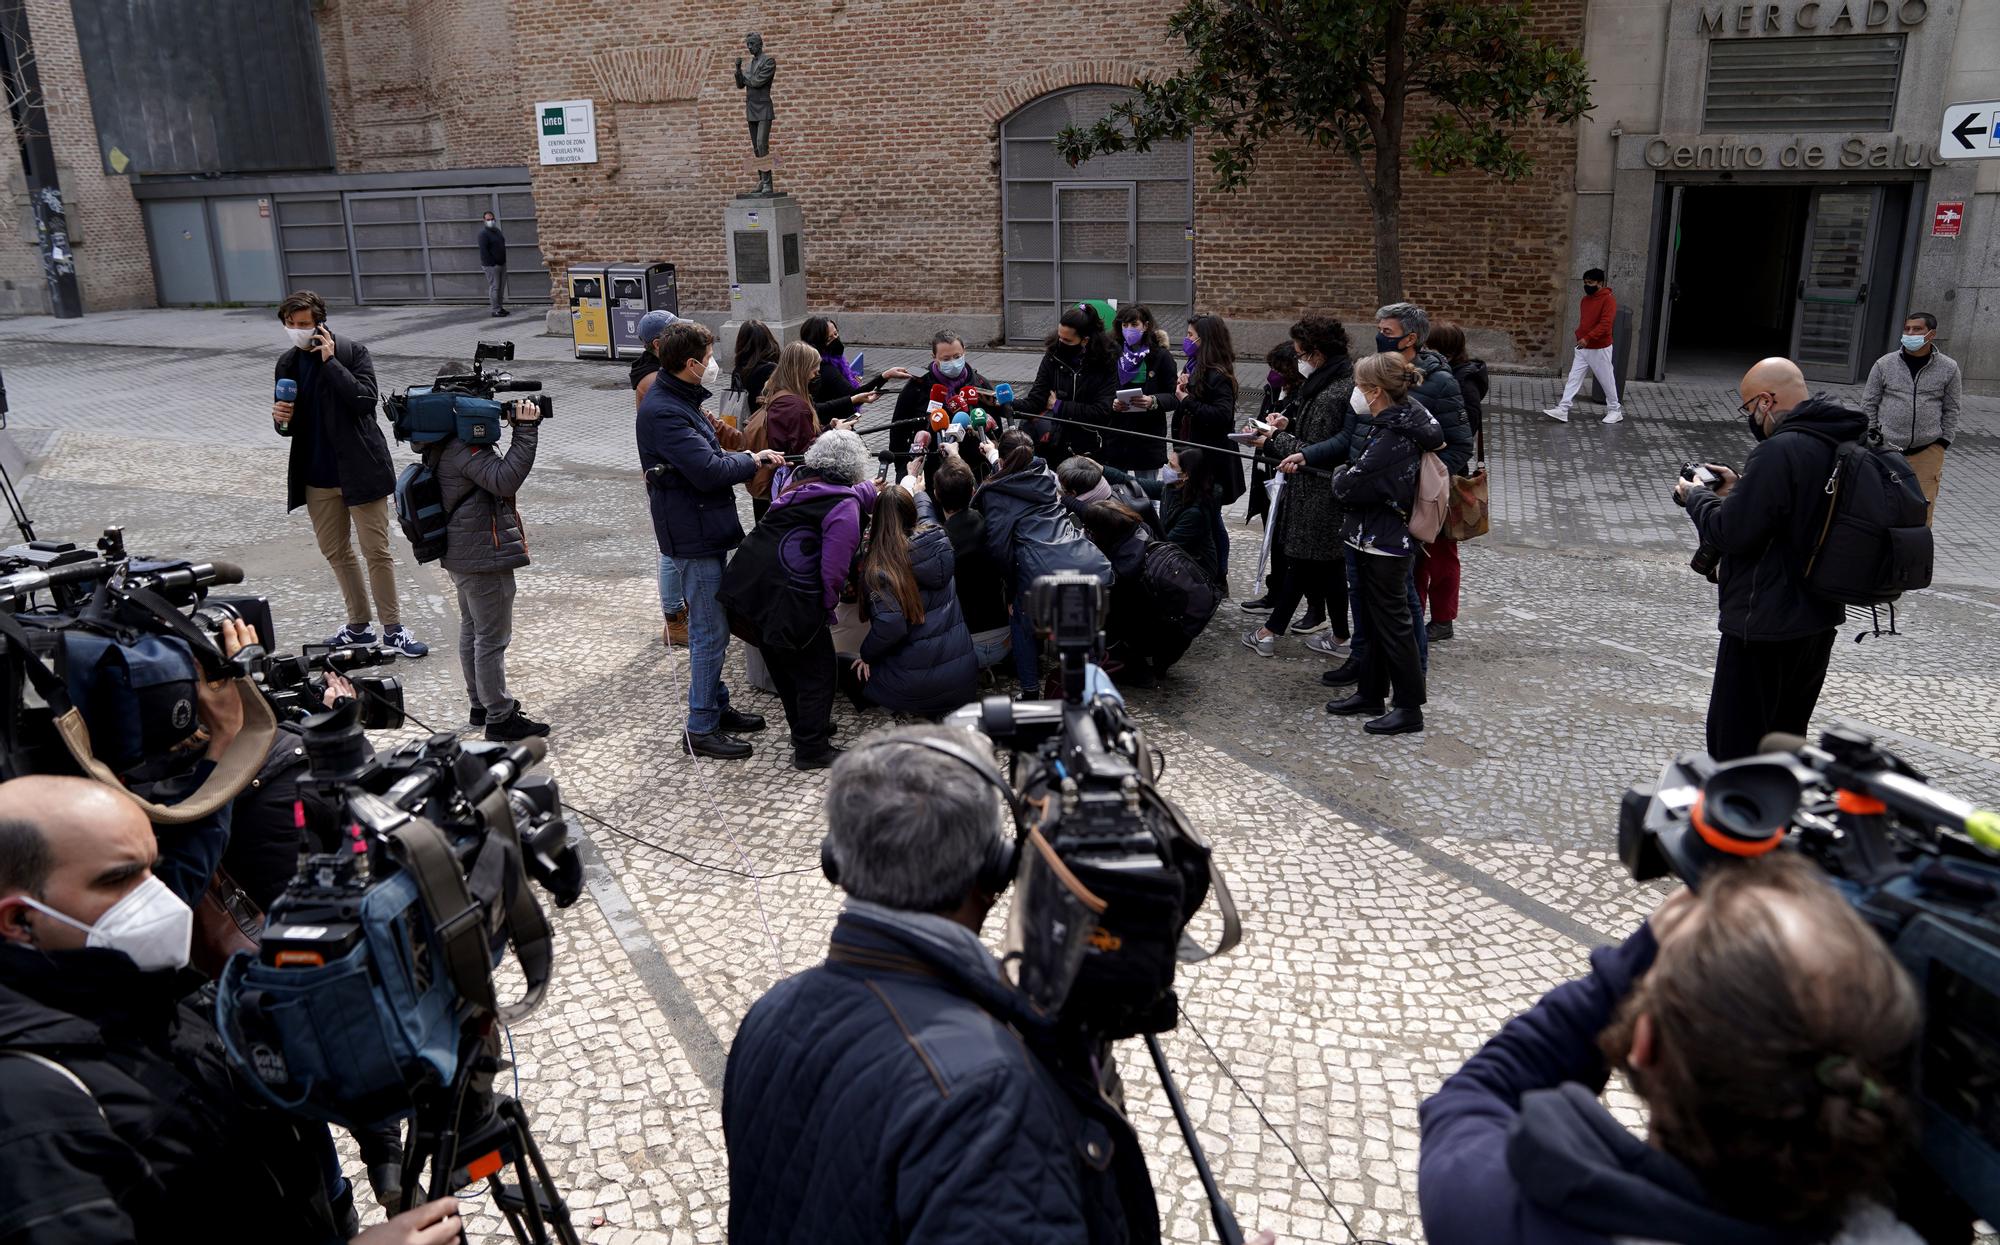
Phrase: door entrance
(1758, 270)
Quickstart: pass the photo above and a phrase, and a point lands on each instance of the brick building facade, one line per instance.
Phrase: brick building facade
(887, 132)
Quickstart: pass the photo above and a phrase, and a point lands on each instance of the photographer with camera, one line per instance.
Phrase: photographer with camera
(340, 468)
(1777, 634)
(947, 1126)
(1768, 1030)
(119, 1119)
(487, 543)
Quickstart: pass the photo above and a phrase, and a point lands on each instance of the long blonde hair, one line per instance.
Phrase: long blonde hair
(796, 364)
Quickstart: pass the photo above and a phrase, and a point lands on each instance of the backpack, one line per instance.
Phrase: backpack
(1873, 544)
(421, 512)
(773, 600)
(1186, 597)
(1433, 498)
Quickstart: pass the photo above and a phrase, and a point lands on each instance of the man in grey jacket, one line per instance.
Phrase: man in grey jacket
(486, 542)
(1912, 402)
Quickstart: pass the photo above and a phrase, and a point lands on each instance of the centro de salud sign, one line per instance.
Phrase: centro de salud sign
(567, 131)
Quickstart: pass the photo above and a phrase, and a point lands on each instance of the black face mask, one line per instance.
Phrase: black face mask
(1387, 344)
(1065, 351)
(1756, 423)
(1589, 288)
(835, 348)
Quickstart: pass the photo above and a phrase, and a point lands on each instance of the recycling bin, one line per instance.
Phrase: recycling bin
(589, 311)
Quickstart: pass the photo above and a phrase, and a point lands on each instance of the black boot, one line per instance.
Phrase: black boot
(1396, 722)
(818, 759)
(516, 725)
(1352, 705)
(715, 744)
(1348, 671)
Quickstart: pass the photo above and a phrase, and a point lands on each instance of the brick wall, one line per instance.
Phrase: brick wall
(114, 268)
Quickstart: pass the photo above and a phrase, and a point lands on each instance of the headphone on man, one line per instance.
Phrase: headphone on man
(1002, 857)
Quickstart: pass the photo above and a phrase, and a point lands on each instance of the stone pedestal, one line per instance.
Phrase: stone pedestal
(764, 239)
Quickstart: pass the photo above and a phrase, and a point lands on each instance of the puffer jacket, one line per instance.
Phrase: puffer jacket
(693, 494)
(903, 1091)
(1440, 395)
(1913, 412)
(1310, 524)
(1029, 533)
(1769, 524)
(478, 484)
(1378, 490)
(1473, 385)
(926, 667)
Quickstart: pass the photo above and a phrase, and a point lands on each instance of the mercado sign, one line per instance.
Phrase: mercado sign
(1826, 17)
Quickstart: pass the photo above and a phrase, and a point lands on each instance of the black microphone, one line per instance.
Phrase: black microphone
(195, 575)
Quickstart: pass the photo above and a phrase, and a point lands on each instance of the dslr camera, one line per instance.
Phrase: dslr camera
(1922, 867)
(462, 403)
(1705, 557)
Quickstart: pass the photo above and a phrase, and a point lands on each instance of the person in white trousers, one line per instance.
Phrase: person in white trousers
(1593, 350)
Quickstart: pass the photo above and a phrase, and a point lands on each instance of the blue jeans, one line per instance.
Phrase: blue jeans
(1359, 647)
(672, 597)
(708, 641)
(990, 648)
(1027, 658)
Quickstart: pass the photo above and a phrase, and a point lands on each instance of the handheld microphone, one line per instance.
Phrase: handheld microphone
(935, 410)
(921, 443)
(288, 391)
(1003, 393)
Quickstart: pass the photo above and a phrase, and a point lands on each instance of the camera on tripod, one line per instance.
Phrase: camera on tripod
(1705, 558)
(1920, 866)
(372, 996)
(463, 404)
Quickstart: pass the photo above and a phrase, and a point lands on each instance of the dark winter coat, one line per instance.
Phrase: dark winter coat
(163, 1143)
(492, 247)
(839, 541)
(1140, 453)
(979, 581)
(833, 394)
(1310, 525)
(1440, 395)
(1378, 490)
(1206, 417)
(342, 391)
(894, 1093)
(1190, 521)
(1029, 534)
(1517, 1149)
(1473, 384)
(1767, 526)
(914, 400)
(693, 497)
(928, 667)
(478, 484)
(1083, 391)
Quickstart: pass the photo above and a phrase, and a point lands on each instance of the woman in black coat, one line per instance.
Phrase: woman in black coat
(839, 392)
(1145, 364)
(949, 367)
(754, 359)
(1203, 412)
(1076, 382)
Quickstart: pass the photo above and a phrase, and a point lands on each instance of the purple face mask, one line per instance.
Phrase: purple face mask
(1276, 379)
(1133, 333)
(1188, 347)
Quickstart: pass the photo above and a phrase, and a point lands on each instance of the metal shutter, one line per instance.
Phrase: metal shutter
(1842, 82)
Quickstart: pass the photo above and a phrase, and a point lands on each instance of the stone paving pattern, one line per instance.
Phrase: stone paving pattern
(1402, 897)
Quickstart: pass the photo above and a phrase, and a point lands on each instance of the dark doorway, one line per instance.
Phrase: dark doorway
(1735, 276)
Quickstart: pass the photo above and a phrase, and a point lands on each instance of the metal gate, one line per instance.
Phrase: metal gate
(1833, 281)
(423, 246)
(1120, 226)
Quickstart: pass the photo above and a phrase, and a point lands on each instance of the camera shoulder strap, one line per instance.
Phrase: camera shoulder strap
(232, 773)
(526, 925)
(461, 934)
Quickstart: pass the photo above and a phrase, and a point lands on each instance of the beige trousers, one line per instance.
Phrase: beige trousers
(1928, 463)
(331, 518)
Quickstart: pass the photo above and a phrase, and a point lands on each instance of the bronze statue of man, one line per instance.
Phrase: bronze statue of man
(756, 88)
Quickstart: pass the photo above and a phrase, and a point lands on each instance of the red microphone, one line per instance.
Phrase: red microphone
(963, 400)
(939, 394)
(940, 417)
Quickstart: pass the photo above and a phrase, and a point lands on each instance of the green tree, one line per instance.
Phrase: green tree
(1343, 74)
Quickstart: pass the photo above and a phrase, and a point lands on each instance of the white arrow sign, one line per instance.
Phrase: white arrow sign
(1971, 131)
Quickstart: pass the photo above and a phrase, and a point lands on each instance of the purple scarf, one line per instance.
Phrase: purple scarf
(1132, 360)
(952, 384)
(846, 366)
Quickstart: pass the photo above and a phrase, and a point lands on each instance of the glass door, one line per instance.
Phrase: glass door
(1841, 229)
(1097, 242)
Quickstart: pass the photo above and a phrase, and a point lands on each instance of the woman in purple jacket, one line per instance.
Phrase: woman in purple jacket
(819, 508)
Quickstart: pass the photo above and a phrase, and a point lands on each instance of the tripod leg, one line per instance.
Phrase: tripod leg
(1226, 1229)
(543, 1193)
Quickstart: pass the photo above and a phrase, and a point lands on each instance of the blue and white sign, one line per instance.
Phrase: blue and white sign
(1971, 131)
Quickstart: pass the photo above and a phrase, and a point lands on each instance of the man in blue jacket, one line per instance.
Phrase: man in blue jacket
(895, 1092)
(691, 481)
(1768, 1030)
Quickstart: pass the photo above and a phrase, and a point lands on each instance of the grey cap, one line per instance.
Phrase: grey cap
(654, 323)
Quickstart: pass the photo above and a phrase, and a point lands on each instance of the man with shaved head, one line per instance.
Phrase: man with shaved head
(119, 1119)
(1776, 635)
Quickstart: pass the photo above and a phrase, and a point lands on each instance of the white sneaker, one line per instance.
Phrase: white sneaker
(1556, 413)
(1614, 417)
(1263, 646)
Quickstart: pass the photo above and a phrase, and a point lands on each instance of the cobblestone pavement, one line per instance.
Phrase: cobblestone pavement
(1402, 897)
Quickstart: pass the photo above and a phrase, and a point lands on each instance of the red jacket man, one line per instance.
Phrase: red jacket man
(1593, 350)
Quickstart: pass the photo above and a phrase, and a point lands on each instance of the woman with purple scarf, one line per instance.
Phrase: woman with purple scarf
(950, 368)
(1144, 364)
(841, 389)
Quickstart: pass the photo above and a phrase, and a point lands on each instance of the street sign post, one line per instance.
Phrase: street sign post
(1971, 131)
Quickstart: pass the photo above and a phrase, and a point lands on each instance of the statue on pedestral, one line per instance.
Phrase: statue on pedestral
(756, 88)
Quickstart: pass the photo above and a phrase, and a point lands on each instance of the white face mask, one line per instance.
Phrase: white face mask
(151, 925)
(1306, 369)
(1357, 403)
(1168, 475)
(710, 374)
(491, 225)
(299, 336)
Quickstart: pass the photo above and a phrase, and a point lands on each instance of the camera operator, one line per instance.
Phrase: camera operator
(1768, 1030)
(1776, 634)
(340, 468)
(945, 1126)
(119, 1119)
(486, 542)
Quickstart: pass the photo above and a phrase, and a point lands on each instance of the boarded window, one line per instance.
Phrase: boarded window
(1845, 82)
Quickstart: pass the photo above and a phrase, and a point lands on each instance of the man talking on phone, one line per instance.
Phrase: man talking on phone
(325, 402)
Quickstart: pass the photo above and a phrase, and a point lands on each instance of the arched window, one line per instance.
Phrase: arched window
(1120, 226)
